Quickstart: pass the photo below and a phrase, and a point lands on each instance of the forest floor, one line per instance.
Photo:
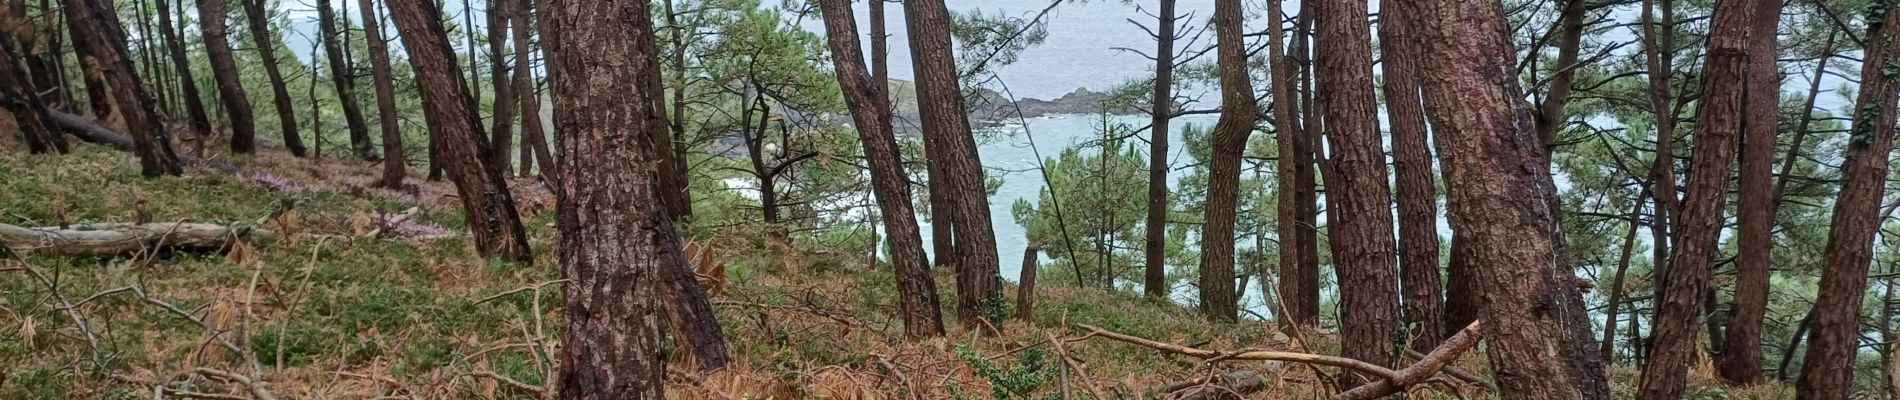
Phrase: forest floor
(327, 312)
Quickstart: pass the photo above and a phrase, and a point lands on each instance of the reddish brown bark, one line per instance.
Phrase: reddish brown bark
(871, 110)
(1740, 358)
(19, 99)
(614, 232)
(1719, 121)
(1359, 226)
(1417, 194)
(451, 113)
(534, 142)
(395, 162)
(1238, 111)
(1828, 370)
(1501, 202)
(266, 44)
(950, 144)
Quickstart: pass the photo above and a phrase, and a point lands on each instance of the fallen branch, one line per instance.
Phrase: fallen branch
(1426, 367)
(1239, 383)
(1263, 355)
(111, 239)
(1455, 372)
(88, 131)
(256, 387)
(393, 222)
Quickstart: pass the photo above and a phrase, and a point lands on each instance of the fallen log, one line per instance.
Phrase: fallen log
(1425, 368)
(110, 239)
(89, 131)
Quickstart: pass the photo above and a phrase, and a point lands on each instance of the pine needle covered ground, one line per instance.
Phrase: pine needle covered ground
(329, 312)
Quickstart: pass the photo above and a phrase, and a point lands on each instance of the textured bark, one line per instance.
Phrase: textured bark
(871, 110)
(1292, 160)
(1740, 358)
(1718, 123)
(453, 121)
(106, 41)
(501, 126)
(1155, 248)
(1417, 195)
(1026, 285)
(344, 80)
(1219, 302)
(1359, 204)
(1301, 284)
(674, 188)
(1828, 370)
(612, 243)
(175, 51)
(29, 113)
(266, 44)
(946, 122)
(534, 142)
(1550, 114)
(237, 106)
(1501, 202)
(395, 163)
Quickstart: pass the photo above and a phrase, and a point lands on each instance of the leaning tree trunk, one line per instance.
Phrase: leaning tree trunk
(266, 43)
(1418, 195)
(395, 163)
(871, 110)
(344, 80)
(1740, 359)
(1680, 300)
(534, 142)
(1828, 370)
(1358, 199)
(1238, 110)
(175, 49)
(451, 113)
(1499, 199)
(106, 40)
(1549, 116)
(940, 105)
(1155, 249)
(237, 105)
(20, 99)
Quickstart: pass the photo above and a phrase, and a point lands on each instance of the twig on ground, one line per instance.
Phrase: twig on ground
(72, 311)
(256, 387)
(902, 380)
(1081, 374)
(509, 381)
(1426, 367)
(1341, 362)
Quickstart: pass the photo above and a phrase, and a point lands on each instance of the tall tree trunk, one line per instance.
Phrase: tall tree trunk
(533, 136)
(615, 233)
(40, 49)
(672, 165)
(1615, 289)
(1302, 291)
(1359, 204)
(871, 110)
(395, 162)
(20, 99)
(1719, 121)
(1238, 110)
(947, 125)
(344, 80)
(1155, 248)
(1418, 195)
(175, 48)
(1828, 370)
(1741, 356)
(106, 40)
(1288, 136)
(453, 120)
(1500, 200)
(1659, 52)
(266, 43)
(501, 128)
(237, 106)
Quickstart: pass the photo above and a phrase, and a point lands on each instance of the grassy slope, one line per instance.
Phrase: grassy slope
(357, 319)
